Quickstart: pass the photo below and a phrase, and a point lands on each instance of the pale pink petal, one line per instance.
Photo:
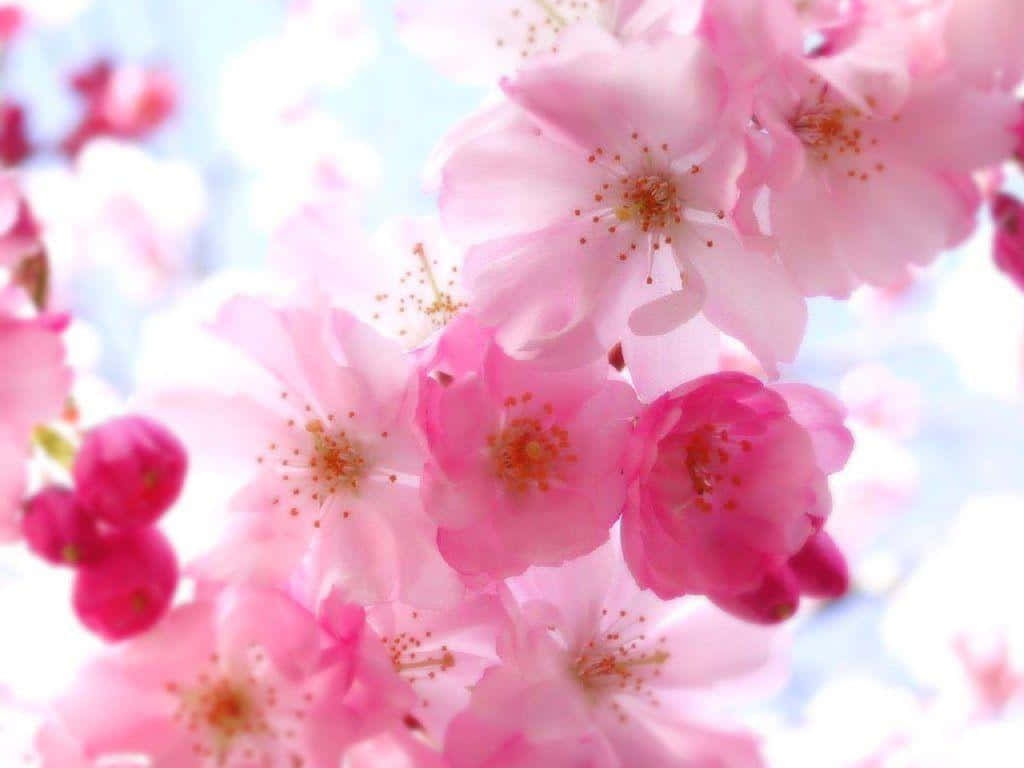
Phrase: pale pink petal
(752, 298)
(512, 182)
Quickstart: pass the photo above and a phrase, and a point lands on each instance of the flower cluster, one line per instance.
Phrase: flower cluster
(508, 503)
(127, 473)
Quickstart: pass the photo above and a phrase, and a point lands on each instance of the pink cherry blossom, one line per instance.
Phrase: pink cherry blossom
(331, 462)
(477, 42)
(509, 441)
(728, 480)
(847, 148)
(583, 227)
(596, 672)
(247, 678)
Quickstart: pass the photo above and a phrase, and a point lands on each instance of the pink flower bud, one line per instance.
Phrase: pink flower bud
(772, 603)
(129, 471)
(127, 591)
(1009, 241)
(820, 568)
(57, 529)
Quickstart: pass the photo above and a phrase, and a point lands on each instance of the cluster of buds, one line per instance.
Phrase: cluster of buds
(127, 474)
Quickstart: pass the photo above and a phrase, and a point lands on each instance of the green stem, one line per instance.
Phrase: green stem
(552, 13)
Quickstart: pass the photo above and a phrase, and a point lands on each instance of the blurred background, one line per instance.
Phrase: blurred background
(269, 117)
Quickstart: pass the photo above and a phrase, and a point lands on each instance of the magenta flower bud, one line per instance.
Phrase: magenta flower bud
(129, 471)
(773, 602)
(820, 568)
(1008, 248)
(1018, 130)
(58, 530)
(129, 589)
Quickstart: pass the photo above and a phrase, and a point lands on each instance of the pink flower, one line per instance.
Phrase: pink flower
(322, 429)
(728, 480)
(586, 227)
(129, 471)
(597, 673)
(510, 441)
(33, 389)
(1009, 240)
(247, 678)
(848, 149)
(129, 587)
(477, 42)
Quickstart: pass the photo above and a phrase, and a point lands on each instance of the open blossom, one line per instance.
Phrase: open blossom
(247, 678)
(509, 442)
(477, 42)
(728, 480)
(596, 672)
(583, 227)
(333, 465)
(867, 169)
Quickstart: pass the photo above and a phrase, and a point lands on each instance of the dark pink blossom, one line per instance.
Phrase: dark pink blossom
(130, 588)
(728, 481)
(129, 471)
(127, 102)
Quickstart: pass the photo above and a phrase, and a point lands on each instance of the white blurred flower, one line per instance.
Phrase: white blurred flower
(978, 320)
(122, 210)
(957, 624)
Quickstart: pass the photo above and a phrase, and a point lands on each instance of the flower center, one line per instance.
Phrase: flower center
(427, 298)
(620, 659)
(335, 458)
(704, 457)
(527, 452)
(319, 461)
(837, 134)
(244, 715)
(650, 202)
